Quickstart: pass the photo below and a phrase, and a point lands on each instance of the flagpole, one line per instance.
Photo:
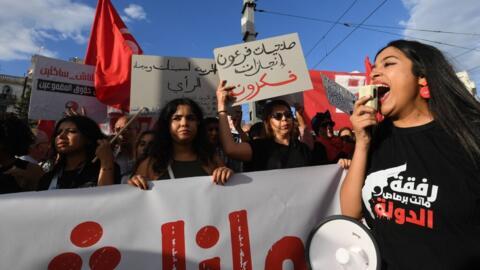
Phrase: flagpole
(124, 128)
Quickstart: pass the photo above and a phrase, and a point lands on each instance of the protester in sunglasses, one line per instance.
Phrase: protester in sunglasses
(280, 149)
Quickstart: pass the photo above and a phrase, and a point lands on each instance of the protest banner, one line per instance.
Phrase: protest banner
(264, 69)
(316, 100)
(58, 85)
(157, 80)
(257, 220)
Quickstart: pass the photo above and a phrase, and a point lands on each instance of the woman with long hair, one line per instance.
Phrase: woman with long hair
(415, 176)
(76, 141)
(180, 148)
(280, 148)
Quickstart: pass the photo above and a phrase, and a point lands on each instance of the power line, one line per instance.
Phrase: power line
(351, 32)
(474, 68)
(465, 52)
(350, 24)
(417, 38)
(333, 26)
(420, 30)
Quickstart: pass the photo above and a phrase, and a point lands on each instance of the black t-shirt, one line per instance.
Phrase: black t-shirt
(421, 198)
(85, 176)
(269, 155)
(8, 184)
(319, 154)
(183, 169)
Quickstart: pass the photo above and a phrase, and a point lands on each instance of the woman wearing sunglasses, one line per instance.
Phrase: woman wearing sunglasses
(280, 149)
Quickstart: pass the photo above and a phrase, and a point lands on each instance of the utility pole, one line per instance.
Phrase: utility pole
(249, 34)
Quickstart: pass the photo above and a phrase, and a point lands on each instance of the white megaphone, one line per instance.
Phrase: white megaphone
(342, 243)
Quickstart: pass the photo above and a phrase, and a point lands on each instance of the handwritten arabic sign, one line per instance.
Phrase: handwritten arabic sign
(156, 80)
(338, 96)
(177, 224)
(264, 69)
(58, 85)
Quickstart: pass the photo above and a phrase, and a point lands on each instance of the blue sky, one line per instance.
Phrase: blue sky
(60, 28)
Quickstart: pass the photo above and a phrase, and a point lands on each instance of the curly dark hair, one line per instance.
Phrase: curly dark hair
(161, 149)
(15, 135)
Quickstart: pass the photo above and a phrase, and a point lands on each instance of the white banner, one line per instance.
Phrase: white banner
(264, 69)
(58, 85)
(157, 80)
(256, 221)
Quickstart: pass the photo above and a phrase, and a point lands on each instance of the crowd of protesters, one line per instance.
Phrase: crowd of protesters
(430, 129)
(182, 144)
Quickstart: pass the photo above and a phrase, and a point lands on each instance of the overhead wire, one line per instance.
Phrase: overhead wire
(331, 27)
(465, 52)
(473, 68)
(351, 32)
(417, 38)
(370, 26)
(349, 24)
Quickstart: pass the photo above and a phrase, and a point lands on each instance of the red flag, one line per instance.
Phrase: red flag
(368, 69)
(110, 49)
(47, 126)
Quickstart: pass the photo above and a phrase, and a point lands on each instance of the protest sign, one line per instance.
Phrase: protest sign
(338, 96)
(157, 80)
(257, 220)
(316, 100)
(59, 85)
(264, 69)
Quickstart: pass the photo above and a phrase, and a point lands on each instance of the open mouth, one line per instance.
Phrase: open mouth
(382, 92)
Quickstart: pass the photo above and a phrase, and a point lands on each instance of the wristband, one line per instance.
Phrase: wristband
(223, 111)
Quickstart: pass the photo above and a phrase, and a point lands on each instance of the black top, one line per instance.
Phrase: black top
(269, 155)
(182, 169)
(319, 154)
(421, 198)
(8, 184)
(85, 176)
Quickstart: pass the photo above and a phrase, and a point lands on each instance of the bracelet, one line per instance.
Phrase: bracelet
(223, 111)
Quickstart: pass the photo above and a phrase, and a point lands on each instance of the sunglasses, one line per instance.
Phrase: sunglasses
(279, 115)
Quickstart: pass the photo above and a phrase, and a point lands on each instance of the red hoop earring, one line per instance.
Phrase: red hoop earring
(425, 92)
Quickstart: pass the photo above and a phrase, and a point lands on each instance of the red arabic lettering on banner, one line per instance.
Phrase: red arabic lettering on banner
(174, 252)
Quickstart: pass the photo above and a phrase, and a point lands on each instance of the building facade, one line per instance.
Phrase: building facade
(12, 88)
